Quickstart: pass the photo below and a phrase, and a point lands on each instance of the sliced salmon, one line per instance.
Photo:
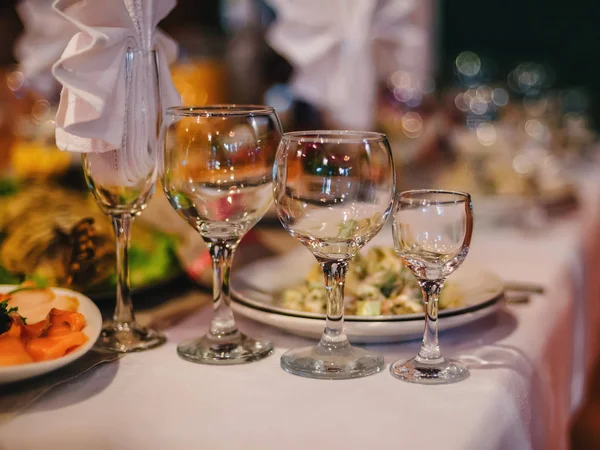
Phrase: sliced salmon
(52, 347)
(59, 329)
(36, 330)
(75, 320)
(15, 330)
(13, 351)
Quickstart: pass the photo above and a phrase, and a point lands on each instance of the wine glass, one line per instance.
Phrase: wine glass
(333, 191)
(432, 233)
(122, 182)
(218, 176)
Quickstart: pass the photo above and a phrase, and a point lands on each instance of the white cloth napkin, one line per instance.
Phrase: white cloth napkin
(103, 109)
(339, 49)
(44, 38)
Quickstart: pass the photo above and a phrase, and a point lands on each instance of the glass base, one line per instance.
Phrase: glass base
(417, 370)
(234, 349)
(331, 363)
(128, 337)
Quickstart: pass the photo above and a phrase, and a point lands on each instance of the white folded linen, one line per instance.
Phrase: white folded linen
(43, 40)
(106, 105)
(339, 49)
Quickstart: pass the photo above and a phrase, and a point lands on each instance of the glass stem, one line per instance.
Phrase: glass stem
(335, 277)
(124, 308)
(221, 252)
(430, 348)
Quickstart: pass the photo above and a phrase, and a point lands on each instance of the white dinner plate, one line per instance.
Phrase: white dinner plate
(91, 330)
(256, 287)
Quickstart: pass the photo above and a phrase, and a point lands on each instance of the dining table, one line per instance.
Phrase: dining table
(529, 364)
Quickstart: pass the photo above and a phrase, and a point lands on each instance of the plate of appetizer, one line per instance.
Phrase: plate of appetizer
(58, 236)
(382, 298)
(43, 329)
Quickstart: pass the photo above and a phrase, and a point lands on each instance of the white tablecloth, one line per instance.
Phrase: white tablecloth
(528, 367)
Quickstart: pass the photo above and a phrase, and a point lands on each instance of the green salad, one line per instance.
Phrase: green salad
(152, 259)
(376, 284)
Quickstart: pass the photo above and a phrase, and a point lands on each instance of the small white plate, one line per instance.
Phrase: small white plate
(92, 331)
(255, 290)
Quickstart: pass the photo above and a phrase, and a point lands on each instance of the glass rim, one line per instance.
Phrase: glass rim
(334, 136)
(220, 110)
(460, 197)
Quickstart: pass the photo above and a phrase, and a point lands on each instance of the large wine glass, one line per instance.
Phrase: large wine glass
(218, 177)
(432, 234)
(333, 192)
(122, 182)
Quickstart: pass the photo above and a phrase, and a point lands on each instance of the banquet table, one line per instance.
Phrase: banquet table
(529, 364)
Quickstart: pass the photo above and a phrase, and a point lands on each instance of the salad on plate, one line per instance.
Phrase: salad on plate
(377, 284)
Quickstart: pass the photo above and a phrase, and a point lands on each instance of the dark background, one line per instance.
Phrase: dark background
(563, 34)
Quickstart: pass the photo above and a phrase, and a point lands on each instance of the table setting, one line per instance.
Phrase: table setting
(363, 292)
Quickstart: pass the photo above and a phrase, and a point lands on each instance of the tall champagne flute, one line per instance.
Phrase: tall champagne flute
(333, 192)
(122, 188)
(432, 234)
(218, 177)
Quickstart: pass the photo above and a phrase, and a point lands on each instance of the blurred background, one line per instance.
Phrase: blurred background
(561, 35)
(500, 99)
(439, 68)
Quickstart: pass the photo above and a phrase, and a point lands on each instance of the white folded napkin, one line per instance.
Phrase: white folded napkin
(43, 40)
(103, 109)
(340, 48)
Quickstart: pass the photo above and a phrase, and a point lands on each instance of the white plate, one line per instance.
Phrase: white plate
(92, 331)
(255, 288)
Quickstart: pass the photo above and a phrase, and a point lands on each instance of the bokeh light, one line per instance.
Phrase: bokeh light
(478, 106)
(280, 97)
(535, 129)
(412, 124)
(41, 111)
(468, 64)
(15, 80)
(500, 97)
(486, 134)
